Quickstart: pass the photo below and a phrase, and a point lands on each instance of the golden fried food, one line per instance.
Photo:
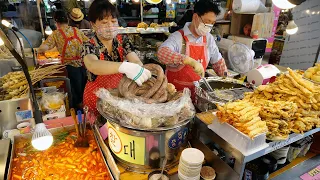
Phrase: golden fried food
(154, 25)
(313, 73)
(142, 25)
(244, 116)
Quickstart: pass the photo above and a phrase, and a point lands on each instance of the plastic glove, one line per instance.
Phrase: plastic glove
(135, 72)
(197, 67)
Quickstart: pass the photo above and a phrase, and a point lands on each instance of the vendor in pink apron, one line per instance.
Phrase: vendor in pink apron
(187, 52)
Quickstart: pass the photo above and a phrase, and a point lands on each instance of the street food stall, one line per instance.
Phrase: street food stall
(248, 124)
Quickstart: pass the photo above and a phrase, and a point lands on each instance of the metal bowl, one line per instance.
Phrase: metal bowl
(207, 101)
(165, 173)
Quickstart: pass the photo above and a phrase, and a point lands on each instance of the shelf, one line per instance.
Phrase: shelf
(241, 159)
(275, 145)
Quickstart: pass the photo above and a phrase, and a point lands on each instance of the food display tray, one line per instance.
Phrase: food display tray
(237, 139)
(54, 130)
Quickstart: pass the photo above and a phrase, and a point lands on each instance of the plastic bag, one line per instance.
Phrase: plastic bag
(142, 115)
(53, 102)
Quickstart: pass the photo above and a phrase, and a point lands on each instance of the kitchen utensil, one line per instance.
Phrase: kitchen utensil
(73, 114)
(85, 118)
(207, 84)
(85, 139)
(155, 174)
(163, 165)
(82, 141)
(79, 115)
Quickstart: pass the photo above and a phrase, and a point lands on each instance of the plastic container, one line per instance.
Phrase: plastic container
(183, 177)
(190, 164)
(281, 154)
(237, 139)
(189, 172)
(192, 157)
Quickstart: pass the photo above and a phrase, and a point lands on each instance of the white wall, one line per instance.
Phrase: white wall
(300, 49)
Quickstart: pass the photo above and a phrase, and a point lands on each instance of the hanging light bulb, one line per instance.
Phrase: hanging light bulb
(168, 1)
(6, 23)
(283, 4)
(48, 30)
(113, 1)
(41, 139)
(292, 28)
(1, 42)
(136, 1)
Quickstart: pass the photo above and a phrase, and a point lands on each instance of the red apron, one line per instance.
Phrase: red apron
(183, 76)
(66, 42)
(102, 81)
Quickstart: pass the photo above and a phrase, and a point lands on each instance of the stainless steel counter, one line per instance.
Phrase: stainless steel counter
(4, 158)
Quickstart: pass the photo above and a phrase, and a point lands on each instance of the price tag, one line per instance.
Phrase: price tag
(312, 175)
(126, 147)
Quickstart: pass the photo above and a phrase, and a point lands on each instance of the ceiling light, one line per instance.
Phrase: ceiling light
(287, 4)
(7, 23)
(1, 42)
(48, 30)
(292, 28)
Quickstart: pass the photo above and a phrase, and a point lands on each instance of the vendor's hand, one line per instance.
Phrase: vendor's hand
(135, 72)
(197, 67)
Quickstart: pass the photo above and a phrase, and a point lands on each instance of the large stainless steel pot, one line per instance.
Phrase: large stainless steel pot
(207, 101)
(8, 109)
(144, 150)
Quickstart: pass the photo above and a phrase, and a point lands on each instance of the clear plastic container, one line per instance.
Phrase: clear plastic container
(237, 139)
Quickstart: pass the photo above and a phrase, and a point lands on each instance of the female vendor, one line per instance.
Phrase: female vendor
(106, 53)
(69, 42)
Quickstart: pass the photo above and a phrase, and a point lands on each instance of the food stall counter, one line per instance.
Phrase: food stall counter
(4, 156)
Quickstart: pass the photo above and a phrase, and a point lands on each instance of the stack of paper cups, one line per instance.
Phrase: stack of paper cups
(190, 164)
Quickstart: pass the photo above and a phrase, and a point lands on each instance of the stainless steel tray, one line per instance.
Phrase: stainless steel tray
(54, 130)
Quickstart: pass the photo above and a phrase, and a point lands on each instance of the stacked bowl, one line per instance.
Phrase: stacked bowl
(190, 164)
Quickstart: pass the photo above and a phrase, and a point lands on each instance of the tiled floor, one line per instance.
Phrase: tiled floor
(295, 172)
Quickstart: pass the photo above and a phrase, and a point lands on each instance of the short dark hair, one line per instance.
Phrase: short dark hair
(99, 9)
(60, 17)
(204, 6)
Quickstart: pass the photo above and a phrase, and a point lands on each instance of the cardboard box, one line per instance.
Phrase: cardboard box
(263, 22)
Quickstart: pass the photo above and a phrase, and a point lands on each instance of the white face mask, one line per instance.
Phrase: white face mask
(203, 29)
(107, 32)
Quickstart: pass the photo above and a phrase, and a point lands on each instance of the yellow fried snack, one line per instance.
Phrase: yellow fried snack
(154, 25)
(142, 25)
(301, 81)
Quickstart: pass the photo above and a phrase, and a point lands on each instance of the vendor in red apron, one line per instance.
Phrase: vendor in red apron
(187, 52)
(69, 42)
(105, 55)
